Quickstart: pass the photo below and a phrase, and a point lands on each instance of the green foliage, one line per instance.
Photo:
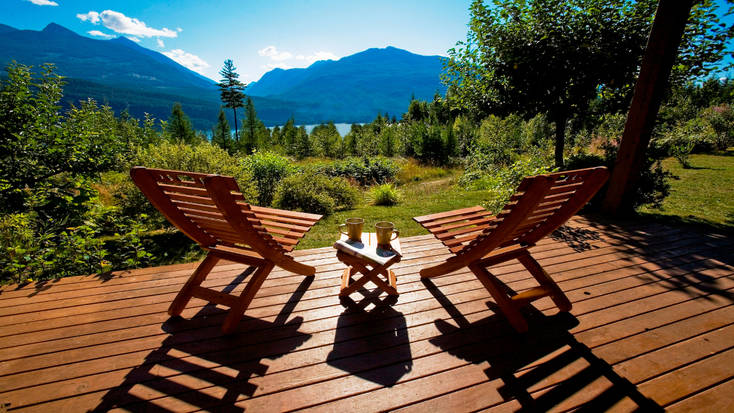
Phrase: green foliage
(364, 171)
(575, 43)
(326, 141)
(204, 157)
(385, 194)
(221, 133)
(412, 171)
(178, 127)
(501, 181)
(231, 91)
(315, 193)
(721, 120)
(267, 169)
(254, 133)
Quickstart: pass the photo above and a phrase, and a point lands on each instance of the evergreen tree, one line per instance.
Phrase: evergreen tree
(179, 126)
(289, 137)
(253, 130)
(303, 143)
(231, 91)
(388, 141)
(221, 135)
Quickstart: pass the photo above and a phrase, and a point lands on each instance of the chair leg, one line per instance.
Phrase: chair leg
(496, 289)
(557, 295)
(236, 312)
(183, 297)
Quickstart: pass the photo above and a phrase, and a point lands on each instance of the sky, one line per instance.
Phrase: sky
(257, 35)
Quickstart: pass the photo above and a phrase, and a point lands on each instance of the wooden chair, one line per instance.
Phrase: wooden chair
(478, 240)
(210, 210)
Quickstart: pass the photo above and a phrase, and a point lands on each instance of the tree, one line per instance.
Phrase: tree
(221, 133)
(231, 91)
(542, 56)
(179, 126)
(253, 130)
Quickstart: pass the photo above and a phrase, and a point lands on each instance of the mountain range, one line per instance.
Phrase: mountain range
(120, 73)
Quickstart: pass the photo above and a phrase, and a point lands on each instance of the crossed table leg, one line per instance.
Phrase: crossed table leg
(357, 265)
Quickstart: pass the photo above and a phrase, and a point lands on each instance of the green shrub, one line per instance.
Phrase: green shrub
(268, 169)
(412, 171)
(384, 194)
(721, 120)
(501, 182)
(363, 171)
(205, 158)
(315, 193)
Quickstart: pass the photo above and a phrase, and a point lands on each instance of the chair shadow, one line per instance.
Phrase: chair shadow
(197, 367)
(530, 364)
(358, 353)
(685, 258)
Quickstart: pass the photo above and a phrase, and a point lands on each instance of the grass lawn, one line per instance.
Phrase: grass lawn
(416, 199)
(702, 194)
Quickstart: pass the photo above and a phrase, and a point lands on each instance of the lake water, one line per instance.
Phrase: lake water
(342, 128)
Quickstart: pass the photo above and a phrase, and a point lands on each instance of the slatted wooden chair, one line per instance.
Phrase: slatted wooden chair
(478, 240)
(211, 211)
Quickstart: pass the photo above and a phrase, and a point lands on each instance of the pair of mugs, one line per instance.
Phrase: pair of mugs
(384, 230)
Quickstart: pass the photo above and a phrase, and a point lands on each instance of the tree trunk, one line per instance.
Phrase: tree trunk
(560, 139)
(236, 135)
(662, 46)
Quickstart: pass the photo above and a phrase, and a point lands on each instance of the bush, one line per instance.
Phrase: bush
(205, 158)
(268, 169)
(412, 171)
(384, 194)
(501, 182)
(364, 171)
(315, 193)
(721, 120)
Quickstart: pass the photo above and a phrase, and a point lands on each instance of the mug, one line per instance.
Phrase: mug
(354, 228)
(385, 231)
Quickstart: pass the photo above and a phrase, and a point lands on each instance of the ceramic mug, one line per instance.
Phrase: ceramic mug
(354, 228)
(385, 231)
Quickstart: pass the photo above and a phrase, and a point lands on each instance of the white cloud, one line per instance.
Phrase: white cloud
(278, 58)
(100, 34)
(188, 60)
(133, 38)
(160, 42)
(120, 23)
(43, 2)
(273, 53)
(179, 29)
(92, 17)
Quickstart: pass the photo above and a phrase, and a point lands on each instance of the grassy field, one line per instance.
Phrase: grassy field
(702, 194)
(415, 199)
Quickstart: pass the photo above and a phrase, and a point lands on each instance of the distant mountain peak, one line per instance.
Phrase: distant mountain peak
(57, 29)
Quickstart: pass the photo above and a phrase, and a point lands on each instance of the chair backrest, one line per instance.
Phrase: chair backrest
(193, 202)
(541, 204)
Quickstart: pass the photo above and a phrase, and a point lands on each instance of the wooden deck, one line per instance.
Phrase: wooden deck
(652, 327)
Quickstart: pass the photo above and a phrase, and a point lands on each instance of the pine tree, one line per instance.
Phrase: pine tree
(221, 133)
(231, 91)
(179, 126)
(253, 130)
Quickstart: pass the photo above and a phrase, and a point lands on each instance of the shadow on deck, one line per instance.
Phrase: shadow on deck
(650, 330)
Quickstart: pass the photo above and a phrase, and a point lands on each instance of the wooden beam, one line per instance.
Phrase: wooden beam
(662, 45)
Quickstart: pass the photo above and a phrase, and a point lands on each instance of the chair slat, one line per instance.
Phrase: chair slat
(433, 225)
(432, 217)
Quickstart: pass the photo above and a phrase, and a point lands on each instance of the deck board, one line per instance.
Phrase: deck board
(651, 328)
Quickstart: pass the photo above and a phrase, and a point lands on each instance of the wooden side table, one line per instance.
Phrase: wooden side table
(371, 261)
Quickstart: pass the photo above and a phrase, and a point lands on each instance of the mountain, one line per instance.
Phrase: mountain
(122, 74)
(356, 87)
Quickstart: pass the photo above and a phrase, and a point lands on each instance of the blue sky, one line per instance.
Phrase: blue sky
(256, 35)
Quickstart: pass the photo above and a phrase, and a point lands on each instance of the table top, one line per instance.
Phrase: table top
(369, 250)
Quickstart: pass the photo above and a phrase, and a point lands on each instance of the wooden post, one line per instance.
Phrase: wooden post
(662, 45)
